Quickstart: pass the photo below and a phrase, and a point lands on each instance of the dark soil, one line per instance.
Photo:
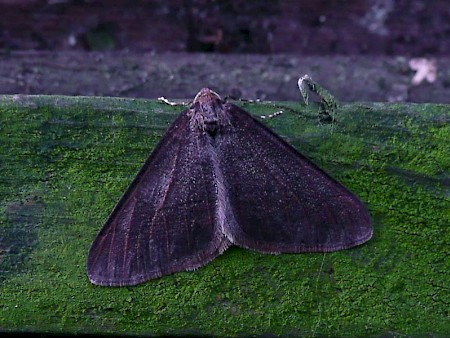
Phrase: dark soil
(369, 27)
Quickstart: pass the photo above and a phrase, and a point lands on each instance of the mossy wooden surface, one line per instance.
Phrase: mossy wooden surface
(65, 161)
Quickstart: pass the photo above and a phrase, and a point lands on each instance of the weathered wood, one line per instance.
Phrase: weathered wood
(65, 161)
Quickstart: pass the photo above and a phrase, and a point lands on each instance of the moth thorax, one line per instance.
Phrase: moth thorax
(210, 116)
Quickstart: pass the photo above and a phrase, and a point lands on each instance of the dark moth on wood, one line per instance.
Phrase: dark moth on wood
(219, 177)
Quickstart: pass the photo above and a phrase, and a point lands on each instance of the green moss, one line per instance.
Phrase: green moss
(65, 162)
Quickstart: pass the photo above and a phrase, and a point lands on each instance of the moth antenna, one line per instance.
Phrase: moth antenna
(275, 114)
(162, 99)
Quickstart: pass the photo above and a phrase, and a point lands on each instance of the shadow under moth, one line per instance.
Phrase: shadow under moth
(219, 177)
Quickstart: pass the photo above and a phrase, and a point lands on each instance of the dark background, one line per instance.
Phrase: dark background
(368, 27)
(322, 30)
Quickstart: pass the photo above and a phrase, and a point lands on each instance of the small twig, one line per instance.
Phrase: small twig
(328, 103)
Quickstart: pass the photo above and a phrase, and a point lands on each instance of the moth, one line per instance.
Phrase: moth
(219, 177)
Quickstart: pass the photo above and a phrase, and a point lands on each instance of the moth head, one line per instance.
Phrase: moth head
(207, 113)
(206, 95)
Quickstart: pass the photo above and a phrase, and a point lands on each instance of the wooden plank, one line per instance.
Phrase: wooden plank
(65, 161)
